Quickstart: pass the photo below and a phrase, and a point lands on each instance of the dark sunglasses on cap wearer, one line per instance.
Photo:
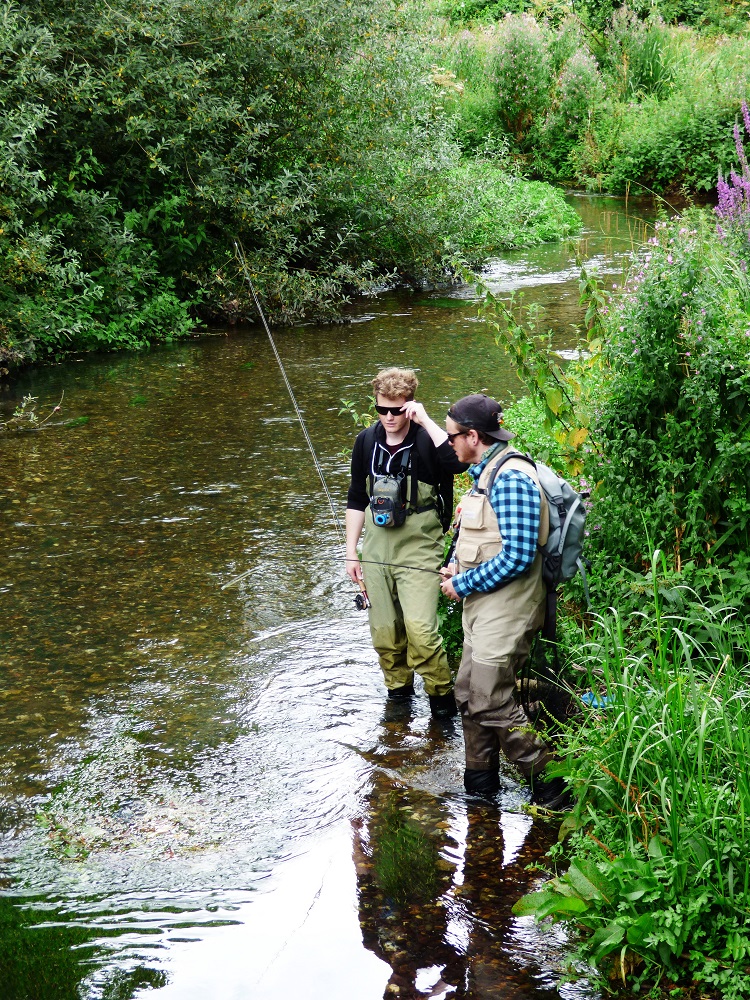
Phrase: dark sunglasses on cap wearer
(397, 411)
(458, 434)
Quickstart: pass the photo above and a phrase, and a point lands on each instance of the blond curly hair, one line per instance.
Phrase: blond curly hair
(396, 383)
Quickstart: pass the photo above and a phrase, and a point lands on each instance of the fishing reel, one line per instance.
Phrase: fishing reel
(362, 601)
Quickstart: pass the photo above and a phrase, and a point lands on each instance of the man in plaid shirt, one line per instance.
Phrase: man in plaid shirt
(498, 575)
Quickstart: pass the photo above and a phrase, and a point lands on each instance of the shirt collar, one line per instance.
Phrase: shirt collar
(475, 471)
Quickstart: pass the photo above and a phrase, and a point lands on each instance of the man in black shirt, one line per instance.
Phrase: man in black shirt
(401, 493)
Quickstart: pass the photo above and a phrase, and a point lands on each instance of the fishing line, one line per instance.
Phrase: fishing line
(361, 600)
(373, 562)
(336, 521)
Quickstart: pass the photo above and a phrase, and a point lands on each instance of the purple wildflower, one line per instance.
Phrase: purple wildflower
(734, 194)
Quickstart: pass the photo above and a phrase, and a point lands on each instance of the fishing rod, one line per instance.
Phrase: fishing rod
(373, 562)
(361, 600)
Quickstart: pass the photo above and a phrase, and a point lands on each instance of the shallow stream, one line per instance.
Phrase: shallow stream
(202, 794)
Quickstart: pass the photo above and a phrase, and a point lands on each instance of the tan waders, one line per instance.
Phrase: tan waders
(498, 631)
(403, 615)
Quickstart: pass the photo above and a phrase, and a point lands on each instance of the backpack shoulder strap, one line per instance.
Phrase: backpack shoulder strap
(368, 443)
(517, 455)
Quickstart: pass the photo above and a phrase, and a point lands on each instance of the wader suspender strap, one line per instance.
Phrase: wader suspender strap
(408, 453)
(404, 462)
(414, 488)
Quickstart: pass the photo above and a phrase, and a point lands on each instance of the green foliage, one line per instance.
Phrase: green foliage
(684, 140)
(481, 11)
(138, 142)
(660, 866)
(557, 391)
(656, 413)
(361, 418)
(450, 622)
(639, 56)
(580, 95)
(425, 215)
(521, 67)
(525, 417)
(634, 102)
(674, 422)
(714, 15)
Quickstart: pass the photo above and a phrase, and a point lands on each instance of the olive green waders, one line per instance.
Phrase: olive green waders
(499, 628)
(403, 612)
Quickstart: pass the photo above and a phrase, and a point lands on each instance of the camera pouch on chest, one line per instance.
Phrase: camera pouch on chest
(387, 506)
(386, 499)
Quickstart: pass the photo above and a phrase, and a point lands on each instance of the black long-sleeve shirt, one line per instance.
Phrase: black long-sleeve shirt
(435, 466)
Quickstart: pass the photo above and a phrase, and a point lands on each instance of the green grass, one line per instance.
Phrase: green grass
(659, 870)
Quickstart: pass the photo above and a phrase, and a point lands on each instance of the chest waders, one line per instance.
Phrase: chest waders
(499, 627)
(403, 612)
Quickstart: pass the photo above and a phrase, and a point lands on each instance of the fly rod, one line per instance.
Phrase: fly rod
(361, 600)
(373, 562)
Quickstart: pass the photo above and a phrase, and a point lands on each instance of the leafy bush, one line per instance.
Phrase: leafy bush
(138, 142)
(639, 103)
(580, 95)
(674, 427)
(483, 11)
(423, 216)
(662, 144)
(639, 56)
(521, 65)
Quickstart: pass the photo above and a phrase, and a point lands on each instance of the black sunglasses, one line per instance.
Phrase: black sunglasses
(458, 434)
(395, 410)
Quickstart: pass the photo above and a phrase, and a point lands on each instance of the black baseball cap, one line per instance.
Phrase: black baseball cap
(481, 414)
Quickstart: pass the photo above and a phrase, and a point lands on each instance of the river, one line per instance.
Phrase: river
(202, 794)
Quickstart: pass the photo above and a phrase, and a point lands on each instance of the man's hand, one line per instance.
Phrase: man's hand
(354, 569)
(415, 411)
(447, 573)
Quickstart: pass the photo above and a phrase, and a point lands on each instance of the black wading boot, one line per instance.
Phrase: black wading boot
(552, 794)
(484, 783)
(403, 693)
(443, 706)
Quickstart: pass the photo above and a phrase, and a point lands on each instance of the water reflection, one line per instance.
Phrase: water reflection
(180, 765)
(437, 877)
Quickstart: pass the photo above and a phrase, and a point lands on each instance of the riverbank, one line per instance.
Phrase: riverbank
(655, 416)
(607, 99)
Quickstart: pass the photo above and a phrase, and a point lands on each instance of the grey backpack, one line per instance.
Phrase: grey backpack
(562, 553)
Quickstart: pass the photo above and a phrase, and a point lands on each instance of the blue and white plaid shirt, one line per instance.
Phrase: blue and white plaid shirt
(515, 500)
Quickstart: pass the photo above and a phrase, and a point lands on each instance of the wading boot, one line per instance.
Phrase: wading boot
(484, 783)
(443, 706)
(402, 693)
(553, 794)
(481, 776)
